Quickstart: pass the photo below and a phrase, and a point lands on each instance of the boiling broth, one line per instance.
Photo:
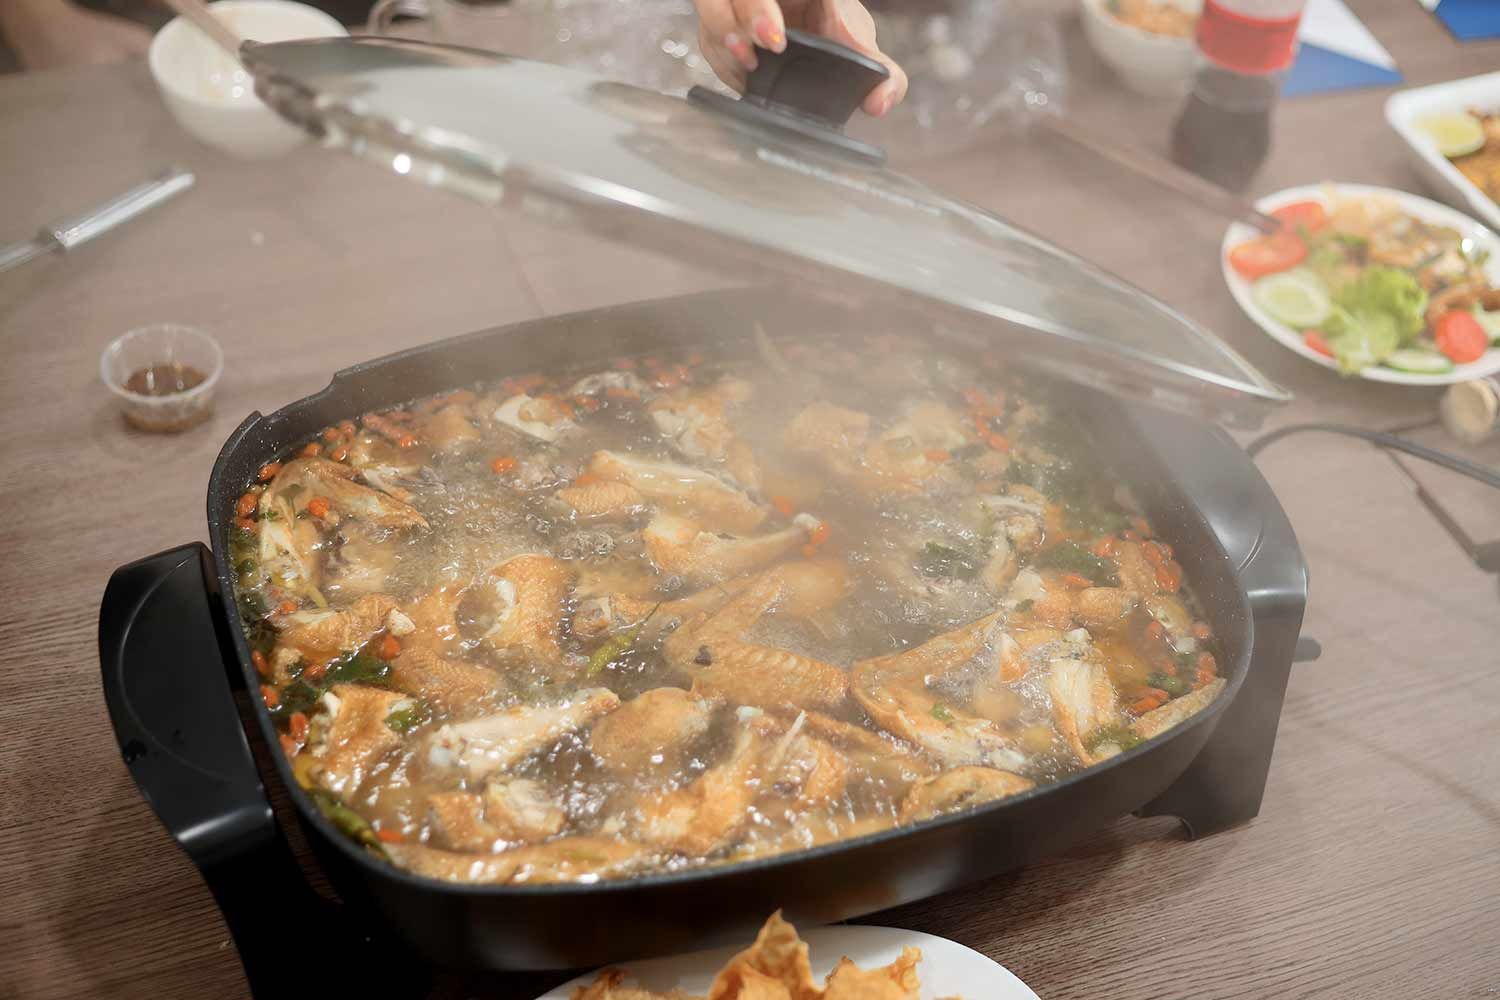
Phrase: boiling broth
(684, 611)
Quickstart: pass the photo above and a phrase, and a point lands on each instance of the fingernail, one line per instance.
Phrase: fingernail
(886, 103)
(741, 50)
(769, 35)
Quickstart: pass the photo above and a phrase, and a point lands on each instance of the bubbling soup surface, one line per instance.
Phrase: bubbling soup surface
(683, 611)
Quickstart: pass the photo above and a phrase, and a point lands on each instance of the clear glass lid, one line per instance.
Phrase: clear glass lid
(768, 185)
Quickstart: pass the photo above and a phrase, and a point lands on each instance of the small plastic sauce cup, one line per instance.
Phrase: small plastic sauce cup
(164, 376)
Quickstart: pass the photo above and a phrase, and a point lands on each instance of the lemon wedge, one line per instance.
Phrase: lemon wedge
(1455, 135)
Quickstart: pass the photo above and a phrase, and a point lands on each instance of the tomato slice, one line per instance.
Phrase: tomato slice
(1460, 337)
(1268, 254)
(1308, 215)
(1318, 342)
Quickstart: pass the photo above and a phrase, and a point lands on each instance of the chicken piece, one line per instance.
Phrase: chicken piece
(708, 814)
(605, 501)
(1083, 702)
(1135, 573)
(1017, 530)
(807, 770)
(361, 561)
(542, 419)
(315, 637)
(897, 981)
(904, 454)
(651, 733)
(695, 420)
(905, 708)
(708, 499)
(823, 429)
(458, 823)
(945, 652)
(450, 428)
(960, 788)
(494, 743)
(722, 663)
(527, 592)
(808, 587)
(384, 465)
(592, 385)
(1103, 607)
(520, 810)
(851, 739)
(803, 830)
(1159, 720)
(433, 618)
(680, 547)
(348, 734)
(450, 685)
(318, 477)
(568, 859)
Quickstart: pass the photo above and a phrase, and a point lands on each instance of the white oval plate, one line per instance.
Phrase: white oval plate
(1421, 208)
(947, 968)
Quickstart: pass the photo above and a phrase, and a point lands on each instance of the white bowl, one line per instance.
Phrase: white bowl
(1407, 107)
(1148, 63)
(211, 95)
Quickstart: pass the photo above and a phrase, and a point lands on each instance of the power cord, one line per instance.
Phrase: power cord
(1486, 555)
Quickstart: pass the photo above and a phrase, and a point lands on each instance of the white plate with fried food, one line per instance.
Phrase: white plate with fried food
(831, 963)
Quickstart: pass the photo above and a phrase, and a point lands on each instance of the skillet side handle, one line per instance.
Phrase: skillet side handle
(167, 683)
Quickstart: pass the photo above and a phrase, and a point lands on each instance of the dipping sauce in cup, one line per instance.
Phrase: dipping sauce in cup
(164, 376)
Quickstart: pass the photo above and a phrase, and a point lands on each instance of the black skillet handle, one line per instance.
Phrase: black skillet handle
(169, 674)
(812, 88)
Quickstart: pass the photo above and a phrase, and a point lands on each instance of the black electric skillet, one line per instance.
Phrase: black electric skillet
(176, 663)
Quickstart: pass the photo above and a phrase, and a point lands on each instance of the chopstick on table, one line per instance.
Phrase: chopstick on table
(1163, 172)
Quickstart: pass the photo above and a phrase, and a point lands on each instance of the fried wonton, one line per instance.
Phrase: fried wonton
(776, 967)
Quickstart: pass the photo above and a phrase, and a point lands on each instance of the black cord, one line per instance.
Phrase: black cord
(1383, 439)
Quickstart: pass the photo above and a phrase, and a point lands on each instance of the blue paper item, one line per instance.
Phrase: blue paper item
(1470, 20)
(1319, 70)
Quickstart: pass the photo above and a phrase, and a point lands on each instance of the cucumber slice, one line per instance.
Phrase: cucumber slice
(1297, 298)
(1418, 362)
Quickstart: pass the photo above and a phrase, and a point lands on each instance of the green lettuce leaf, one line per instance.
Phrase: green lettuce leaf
(1382, 310)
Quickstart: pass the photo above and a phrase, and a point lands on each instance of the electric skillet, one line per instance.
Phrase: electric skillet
(826, 238)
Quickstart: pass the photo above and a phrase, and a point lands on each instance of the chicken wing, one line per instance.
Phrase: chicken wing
(568, 859)
(1083, 702)
(721, 663)
(651, 733)
(695, 419)
(1159, 720)
(348, 734)
(706, 815)
(511, 812)
(603, 500)
(315, 637)
(493, 743)
(528, 592)
(681, 547)
(960, 788)
(450, 685)
(710, 500)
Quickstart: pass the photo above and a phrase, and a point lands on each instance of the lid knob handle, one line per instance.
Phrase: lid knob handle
(811, 87)
(814, 77)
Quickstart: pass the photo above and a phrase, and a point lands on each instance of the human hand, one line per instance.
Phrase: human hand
(47, 34)
(729, 31)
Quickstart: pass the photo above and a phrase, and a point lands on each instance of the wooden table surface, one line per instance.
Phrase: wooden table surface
(1372, 871)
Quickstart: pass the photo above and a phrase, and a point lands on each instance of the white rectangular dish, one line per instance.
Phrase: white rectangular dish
(1405, 108)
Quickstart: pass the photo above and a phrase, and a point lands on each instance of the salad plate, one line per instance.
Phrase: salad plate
(947, 968)
(1316, 289)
